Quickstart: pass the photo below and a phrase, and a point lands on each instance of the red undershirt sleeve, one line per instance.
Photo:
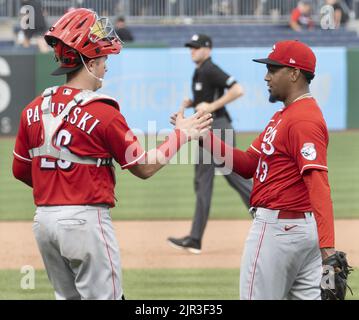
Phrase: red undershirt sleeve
(175, 140)
(241, 162)
(319, 194)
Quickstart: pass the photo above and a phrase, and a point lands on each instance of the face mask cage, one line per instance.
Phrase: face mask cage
(103, 29)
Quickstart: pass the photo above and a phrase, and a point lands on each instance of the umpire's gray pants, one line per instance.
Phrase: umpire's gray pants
(204, 176)
(80, 251)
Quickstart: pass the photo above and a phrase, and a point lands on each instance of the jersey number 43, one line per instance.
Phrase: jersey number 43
(262, 170)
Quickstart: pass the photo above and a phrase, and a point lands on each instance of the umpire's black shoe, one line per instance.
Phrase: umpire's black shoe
(188, 243)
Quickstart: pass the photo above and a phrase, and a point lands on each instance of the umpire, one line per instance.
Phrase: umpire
(208, 86)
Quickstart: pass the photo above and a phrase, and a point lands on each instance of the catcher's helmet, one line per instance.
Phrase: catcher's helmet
(81, 31)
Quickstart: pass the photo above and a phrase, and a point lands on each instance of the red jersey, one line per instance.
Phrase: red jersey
(96, 130)
(303, 20)
(295, 140)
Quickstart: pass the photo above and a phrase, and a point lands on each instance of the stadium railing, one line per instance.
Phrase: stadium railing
(172, 10)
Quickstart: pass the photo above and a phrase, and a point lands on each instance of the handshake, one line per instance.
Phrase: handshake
(195, 126)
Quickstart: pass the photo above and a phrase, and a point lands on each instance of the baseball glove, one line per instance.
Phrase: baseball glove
(335, 276)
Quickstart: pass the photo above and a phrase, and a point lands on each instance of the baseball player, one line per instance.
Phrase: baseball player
(293, 227)
(212, 89)
(66, 143)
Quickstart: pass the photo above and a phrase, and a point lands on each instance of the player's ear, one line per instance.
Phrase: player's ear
(295, 74)
(91, 64)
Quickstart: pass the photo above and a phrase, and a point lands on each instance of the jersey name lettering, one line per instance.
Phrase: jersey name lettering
(32, 115)
(82, 120)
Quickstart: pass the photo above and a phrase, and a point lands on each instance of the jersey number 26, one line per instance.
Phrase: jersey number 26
(63, 139)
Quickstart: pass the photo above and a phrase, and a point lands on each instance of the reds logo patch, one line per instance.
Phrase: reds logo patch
(308, 151)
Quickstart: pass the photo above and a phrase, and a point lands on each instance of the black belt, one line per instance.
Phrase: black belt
(107, 162)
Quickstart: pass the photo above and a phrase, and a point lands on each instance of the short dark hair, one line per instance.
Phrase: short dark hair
(73, 74)
(121, 19)
(308, 75)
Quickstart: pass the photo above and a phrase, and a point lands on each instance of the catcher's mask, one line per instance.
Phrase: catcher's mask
(87, 34)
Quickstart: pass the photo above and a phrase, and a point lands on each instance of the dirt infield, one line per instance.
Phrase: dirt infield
(143, 244)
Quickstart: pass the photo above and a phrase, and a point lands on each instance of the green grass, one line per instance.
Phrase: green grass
(170, 194)
(152, 284)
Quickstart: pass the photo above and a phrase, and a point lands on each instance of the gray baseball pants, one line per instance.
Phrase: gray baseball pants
(281, 259)
(80, 251)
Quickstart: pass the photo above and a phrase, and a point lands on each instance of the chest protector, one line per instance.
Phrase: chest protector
(52, 123)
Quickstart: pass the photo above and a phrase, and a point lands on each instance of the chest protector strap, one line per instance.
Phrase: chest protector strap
(52, 123)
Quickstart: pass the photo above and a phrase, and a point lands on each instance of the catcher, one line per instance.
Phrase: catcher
(67, 141)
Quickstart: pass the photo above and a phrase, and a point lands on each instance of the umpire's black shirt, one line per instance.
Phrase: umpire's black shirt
(208, 84)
